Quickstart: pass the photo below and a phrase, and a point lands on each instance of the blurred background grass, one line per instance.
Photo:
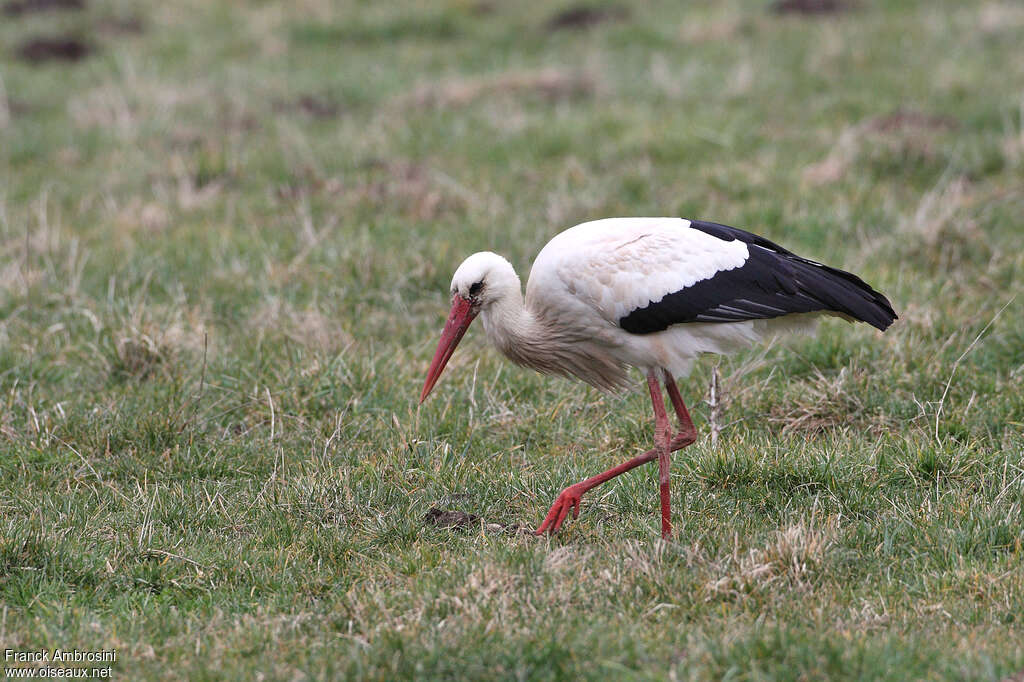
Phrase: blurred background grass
(227, 233)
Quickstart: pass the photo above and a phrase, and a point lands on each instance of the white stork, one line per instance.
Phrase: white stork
(650, 293)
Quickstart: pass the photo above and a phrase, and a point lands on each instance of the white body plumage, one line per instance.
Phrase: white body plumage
(593, 275)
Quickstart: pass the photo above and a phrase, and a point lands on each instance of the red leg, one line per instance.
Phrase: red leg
(569, 499)
(687, 432)
(662, 440)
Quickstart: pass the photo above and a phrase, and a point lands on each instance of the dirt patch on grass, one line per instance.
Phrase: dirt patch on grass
(585, 16)
(453, 518)
(17, 107)
(450, 518)
(319, 107)
(812, 7)
(121, 26)
(903, 120)
(9, 109)
(483, 7)
(65, 48)
(15, 8)
(550, 84)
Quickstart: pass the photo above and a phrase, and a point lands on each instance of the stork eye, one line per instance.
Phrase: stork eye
(476, 288)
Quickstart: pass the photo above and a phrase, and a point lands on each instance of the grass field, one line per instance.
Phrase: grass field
(227, 234)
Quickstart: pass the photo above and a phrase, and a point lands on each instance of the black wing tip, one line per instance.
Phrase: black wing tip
(884, 314)
(848, 294)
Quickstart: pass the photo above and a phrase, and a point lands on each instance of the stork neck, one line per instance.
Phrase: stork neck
(509, 323)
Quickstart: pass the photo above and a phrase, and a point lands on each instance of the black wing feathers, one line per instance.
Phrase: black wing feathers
(727, 233)
(771, 283)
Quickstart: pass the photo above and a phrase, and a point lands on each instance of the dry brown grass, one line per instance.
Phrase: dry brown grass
(148, 338)
(308, 327)
(835, 166)
(826, 402)
(943, 231)
(795, 555)
(17, 279)
(417, 190)
(706, 29)
(1000, 17)
(1013, 138)
(139, 215)
(39, 250)
(904, 131)
(5, 106)
(823, 402)
(867, 618)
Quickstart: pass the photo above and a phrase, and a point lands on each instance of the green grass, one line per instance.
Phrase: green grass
(225, 246)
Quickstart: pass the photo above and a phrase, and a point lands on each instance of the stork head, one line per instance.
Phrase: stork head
(482, 280)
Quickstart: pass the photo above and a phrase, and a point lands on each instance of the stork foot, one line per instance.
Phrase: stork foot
(568, 500)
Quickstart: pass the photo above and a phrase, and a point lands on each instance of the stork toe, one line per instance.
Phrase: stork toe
(568, 500)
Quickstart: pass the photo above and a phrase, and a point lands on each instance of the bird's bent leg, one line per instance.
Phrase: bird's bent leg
(687, 431)
(569, 499)
(662, 442)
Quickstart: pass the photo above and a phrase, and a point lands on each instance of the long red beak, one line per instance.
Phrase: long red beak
(458, 322)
